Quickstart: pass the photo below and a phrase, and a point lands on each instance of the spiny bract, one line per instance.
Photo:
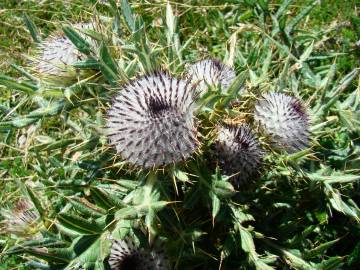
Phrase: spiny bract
(285, 119)
(151, 121)
(238, 152)
(212, 73)
(57, 54)
(125, 255)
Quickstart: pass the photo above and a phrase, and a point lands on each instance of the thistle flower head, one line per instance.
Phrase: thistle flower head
(151, 121)
(238, 152)
(125, 255)
(210, 72)
(285, 119)
(22, 219)
(57, 54)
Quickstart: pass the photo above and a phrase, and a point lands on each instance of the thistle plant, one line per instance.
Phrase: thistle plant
(128, 153)
(285, 119)
(56, 56)
(210, 73)
(239, 153)
(151, 121)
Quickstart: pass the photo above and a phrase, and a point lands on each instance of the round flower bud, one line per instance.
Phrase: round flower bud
(238, 153)
(151, 121)
(57, 54)
(211, 73)
(285, 119)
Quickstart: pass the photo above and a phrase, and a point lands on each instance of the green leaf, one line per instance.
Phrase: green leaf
(36, 201)
(320, 249)
(11, 83)
(333, 263)
(297, 19)
(79, 225)
(180, 175)
(333, 179)
(51, 109)
(234, 89)
(86, 208)
(24, 72)
(247, 243)
(105, 199)
(81, 44)
(297, 262)
(18, 122)
(306, 54)
(215, 205)
(109, 67)
(54, 255)
(128, 15)
(283, 8)
(223, 189)
(87, 64)
(101, 197)
(32, 28)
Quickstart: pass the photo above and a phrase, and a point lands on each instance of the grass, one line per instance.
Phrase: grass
(301, 214)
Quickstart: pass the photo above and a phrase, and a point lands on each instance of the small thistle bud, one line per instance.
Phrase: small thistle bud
(212, 73)
(125, 255)
(285, 119)
(151, 121)
(239, 153)
(22, 220)
(56, 55)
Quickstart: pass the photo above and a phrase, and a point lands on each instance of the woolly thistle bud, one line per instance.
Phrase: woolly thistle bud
(22, 220)
(151, 121)
(124, 255)
(285, 119)
(238, 152)
(56, 55)
(212, 73)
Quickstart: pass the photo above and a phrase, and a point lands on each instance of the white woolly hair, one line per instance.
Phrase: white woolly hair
(238, 153)
(125, 255)
(211, 72)
(151, 121)
(285, 119)
(57, 54)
